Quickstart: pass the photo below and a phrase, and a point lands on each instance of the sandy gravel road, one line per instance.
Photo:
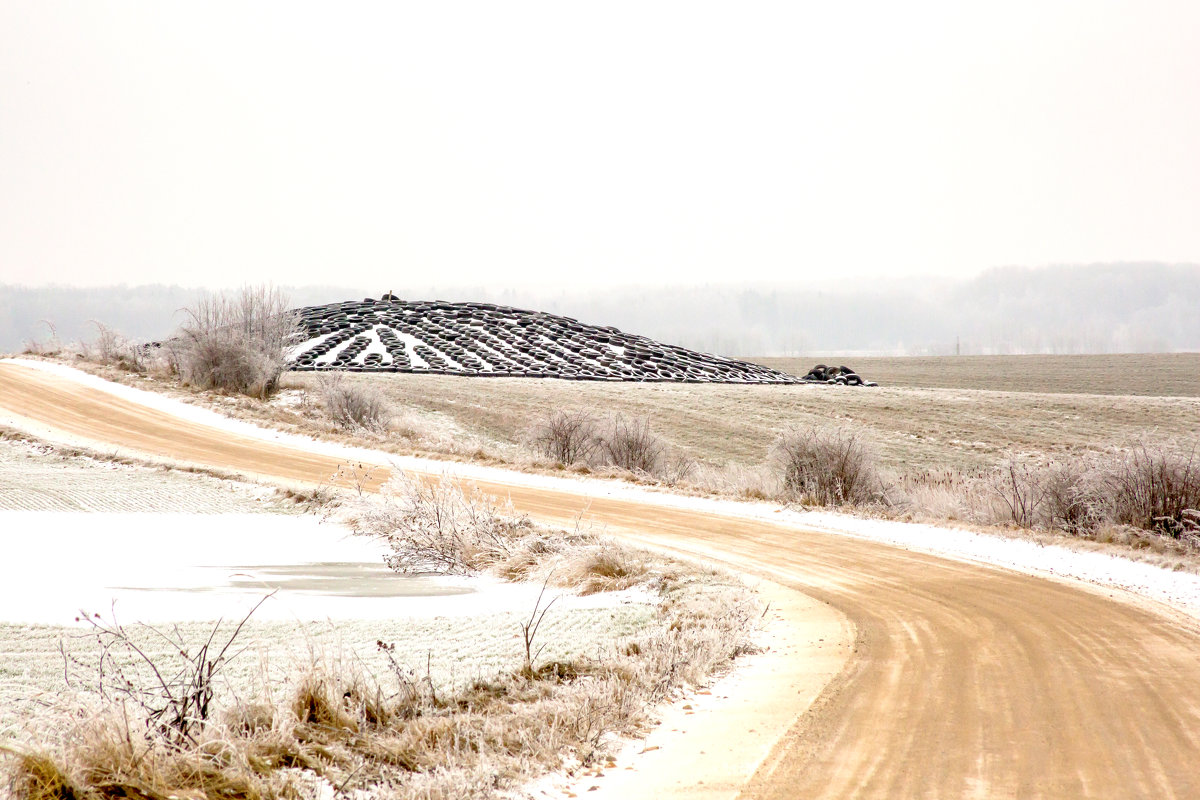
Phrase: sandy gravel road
(966, 681)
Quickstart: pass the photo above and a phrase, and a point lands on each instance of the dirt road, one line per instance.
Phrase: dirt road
(967, 681)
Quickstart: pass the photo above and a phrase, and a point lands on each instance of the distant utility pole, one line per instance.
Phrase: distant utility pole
(957, 347)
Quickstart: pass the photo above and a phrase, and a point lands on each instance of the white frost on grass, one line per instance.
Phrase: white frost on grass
(173, 567)
(1178, 589)
(451, 651)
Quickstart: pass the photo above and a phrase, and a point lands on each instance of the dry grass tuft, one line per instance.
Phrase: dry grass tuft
(36, 776)
(354, 406)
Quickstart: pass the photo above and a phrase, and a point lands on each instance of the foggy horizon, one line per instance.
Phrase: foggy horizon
(1097, 308)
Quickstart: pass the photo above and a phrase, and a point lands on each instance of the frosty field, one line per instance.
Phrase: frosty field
(179, 551)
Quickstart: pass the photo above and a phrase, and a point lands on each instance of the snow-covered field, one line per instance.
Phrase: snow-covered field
(34, 477)
(180, 550)
(451, 650)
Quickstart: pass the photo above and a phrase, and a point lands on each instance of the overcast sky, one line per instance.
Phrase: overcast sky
(570, 144)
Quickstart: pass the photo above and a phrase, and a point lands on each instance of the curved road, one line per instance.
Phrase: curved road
(967, 681)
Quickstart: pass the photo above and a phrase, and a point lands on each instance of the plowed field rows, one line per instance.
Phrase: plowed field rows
(34, 480)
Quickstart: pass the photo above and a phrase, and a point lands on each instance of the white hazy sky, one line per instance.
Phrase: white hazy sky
(573, 144)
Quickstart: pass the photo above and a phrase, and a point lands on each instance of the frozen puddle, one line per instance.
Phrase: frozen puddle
(154, 567)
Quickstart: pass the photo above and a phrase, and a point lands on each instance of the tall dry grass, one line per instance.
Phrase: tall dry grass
(352, 406)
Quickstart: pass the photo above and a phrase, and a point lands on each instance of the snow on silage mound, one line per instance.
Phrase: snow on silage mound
(392, 335)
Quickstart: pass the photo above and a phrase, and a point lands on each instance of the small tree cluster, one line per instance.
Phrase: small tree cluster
(236, 342)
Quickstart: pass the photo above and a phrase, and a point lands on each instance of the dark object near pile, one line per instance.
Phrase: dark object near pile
(393, 335)
(843, 376)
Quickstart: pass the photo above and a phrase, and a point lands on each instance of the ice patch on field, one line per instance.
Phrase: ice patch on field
(156, 567)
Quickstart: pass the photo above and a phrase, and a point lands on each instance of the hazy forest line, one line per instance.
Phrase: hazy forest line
(1101, 308)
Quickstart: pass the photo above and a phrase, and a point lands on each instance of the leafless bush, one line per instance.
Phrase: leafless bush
(567, 437)
(631, 445)
(675, 467)
(438, 526)
(237, 343)
(352, 406)
(828, 467)
(1019, 488)
(50, 346)
(1072, 499)
(112, 349)
(1154, 487)
(177, 703)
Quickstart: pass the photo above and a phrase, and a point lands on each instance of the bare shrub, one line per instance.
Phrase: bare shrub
(237, 342)
(1154, 487)
(351, 406)
(114, 350)
(1018, 487)
(631, 445)
(1072, 499)
(177, 704)
(828, 466)
(50, 346)
(567, 437)
(676, 467)
(438, 526)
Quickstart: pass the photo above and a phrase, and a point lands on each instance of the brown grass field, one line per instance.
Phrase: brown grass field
(1145, 375)
(726, 425)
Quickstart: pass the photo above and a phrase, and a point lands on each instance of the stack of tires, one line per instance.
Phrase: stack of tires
(841, 376)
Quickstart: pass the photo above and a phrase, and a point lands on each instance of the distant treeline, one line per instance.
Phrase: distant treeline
(1101, 308)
